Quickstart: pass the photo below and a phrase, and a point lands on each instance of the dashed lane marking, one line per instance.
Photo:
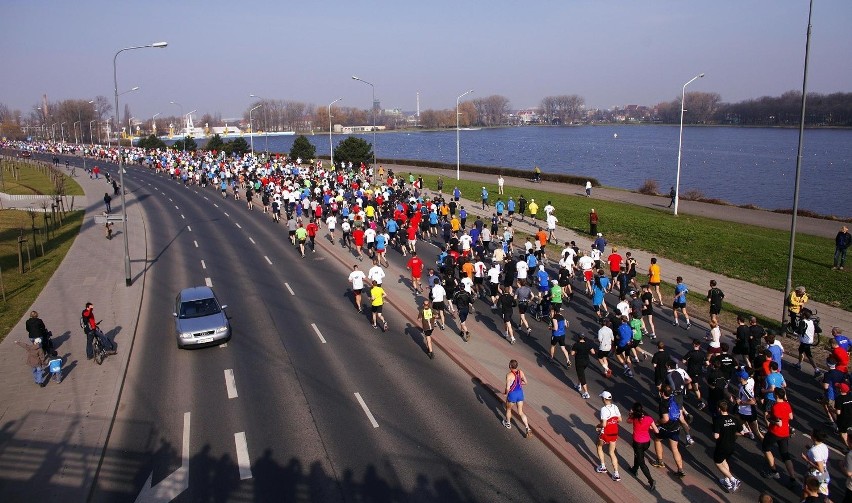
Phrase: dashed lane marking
(321, 338)
(226, 214)
(267, 260)
(216, 205)
(242, 455)
(252, 240)
(367, 410)
(238, 225)
(196, 243)
(203, 265)
(230, 384)
(289, 289)
(181, 215)
(208, 282)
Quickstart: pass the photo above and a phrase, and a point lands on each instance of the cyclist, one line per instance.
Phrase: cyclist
(90, 326)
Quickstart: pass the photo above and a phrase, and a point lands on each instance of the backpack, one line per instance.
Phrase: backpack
(674, 410)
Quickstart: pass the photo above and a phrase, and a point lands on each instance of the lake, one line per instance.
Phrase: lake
(740, 165)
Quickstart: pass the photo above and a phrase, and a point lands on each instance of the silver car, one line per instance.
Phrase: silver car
(199, 318)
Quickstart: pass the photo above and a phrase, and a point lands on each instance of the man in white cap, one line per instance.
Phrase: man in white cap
(607, 429)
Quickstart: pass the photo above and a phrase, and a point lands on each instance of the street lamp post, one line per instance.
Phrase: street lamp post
(251, 129)
(62, 130)
(789, 283)
(330, 147)
(458, 137)
(265, 126)
(92, 132)
(53, 132)
(154, 124)
(680, 140)
(127, 278)
(130, 129)
(181, 114)
(74, 126)
(373, 108)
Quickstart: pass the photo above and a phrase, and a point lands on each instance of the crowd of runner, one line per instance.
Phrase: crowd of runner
(480, 261)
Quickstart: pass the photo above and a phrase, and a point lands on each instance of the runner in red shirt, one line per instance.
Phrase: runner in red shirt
(312, 234)
(615, 261)
(415, 265)
(358, 237)
(778, 432)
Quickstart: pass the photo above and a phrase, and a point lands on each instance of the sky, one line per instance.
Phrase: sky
(613, 52)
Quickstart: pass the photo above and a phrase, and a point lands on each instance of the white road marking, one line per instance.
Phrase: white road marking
(177, 482)
(226, 214)
(223, 345)
(252, 240)
(230, 384)
(289, 289)
(196, 243)
(171, 200)
(267, 260)
(216, 205)
(238, 225)
(367, 410)
(203, 265)
(181, 215)
(321, 338)
(205, 198)
(242, 455)
(176, 207)
(208, 282)
(189, 228)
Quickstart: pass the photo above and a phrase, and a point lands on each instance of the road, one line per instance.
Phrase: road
(307, 434)
(433, 434)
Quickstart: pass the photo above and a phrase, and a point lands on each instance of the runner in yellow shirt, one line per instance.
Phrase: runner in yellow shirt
(377, 293)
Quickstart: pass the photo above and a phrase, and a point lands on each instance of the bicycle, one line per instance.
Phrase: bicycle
(99, 352)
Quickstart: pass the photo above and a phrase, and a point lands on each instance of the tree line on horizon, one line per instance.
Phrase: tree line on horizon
(89, 121)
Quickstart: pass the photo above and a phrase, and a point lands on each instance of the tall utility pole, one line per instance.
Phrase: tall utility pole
(789, 284)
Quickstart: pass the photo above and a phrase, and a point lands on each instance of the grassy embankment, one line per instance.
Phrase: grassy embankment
(21, 290)
(750, 253)
(35, 179)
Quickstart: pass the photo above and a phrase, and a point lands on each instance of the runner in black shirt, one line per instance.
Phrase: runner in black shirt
(694, 360)
(581, 351)
(843, 407)
(658, 361)
(725, 431)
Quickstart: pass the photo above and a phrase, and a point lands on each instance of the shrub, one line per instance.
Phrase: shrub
(354, 150)
(649, 187)
(693, 195)
(303, 148)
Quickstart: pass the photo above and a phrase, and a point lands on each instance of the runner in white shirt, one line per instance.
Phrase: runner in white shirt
(331, 222)
(605, 338)
(586, 263)
(376, 273)
(494, 282)
(522, 269)
(439, 299)
(551, 226)
(356, 277)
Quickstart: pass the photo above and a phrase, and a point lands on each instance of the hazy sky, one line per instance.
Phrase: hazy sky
(609, 52)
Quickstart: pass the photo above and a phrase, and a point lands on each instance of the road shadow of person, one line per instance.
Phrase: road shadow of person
(416, 335)
(111, 335)
(572, 431)
(486, 395)
(60, 340)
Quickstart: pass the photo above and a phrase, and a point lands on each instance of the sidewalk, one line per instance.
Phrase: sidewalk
(755, 298)
(52, 438)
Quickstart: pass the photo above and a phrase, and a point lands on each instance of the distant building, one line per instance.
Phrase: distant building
(338, 128)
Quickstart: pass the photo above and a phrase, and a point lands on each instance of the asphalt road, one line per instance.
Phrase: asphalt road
(307, 436)
(436, 434)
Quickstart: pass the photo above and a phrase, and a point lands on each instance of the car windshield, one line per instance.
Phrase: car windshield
(198, 308)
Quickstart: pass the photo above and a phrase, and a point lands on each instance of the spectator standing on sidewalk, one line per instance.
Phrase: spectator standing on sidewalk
(797, 299)
(672, 195)
(108, 202)
(841, 244)
(515, 380)
(607, 429)
(593, 222)
(588, 188)
(500, 183)
(36, 360)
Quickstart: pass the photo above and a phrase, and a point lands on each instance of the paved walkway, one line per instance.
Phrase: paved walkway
(52, 438)
(755, 298)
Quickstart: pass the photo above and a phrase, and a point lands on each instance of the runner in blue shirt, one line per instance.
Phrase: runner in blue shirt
(679, 303)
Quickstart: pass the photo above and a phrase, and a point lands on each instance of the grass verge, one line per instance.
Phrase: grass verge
(750, 253)
(22, 289)
(33, 180)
